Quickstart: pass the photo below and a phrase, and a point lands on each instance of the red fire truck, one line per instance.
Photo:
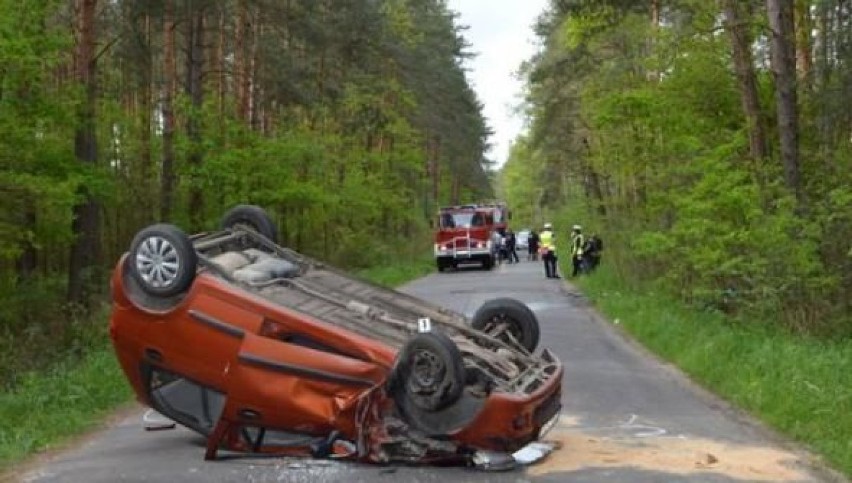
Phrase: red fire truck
(501, 214)
(469, 234)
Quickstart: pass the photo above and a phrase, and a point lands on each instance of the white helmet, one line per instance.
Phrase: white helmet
(577, 228)
(548, 226)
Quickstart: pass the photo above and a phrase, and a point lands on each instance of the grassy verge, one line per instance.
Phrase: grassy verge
(800, 386)
(393, 275)
(47, 408)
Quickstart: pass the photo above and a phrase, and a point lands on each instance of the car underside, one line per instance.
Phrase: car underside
(401, 379)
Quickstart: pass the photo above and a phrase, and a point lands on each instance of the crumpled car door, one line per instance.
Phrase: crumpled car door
(291, 387)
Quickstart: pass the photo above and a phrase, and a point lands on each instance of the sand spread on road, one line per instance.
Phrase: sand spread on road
(582, 448)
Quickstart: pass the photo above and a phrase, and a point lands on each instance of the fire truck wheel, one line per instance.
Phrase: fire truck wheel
(509, 320)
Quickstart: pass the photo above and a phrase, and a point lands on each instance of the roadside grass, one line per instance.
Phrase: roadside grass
(800, 386)
(395, 274)
(47, 408)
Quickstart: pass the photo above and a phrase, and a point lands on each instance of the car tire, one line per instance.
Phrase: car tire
(519, 321)
(488, 263)
(162, 260)
(252, 216)
(429, 374)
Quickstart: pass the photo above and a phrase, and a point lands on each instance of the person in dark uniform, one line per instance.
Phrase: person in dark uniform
(592, 252)
(511, 254)
(532, 246)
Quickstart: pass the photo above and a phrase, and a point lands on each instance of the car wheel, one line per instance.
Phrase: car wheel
(488, 263)
(508, 319)
(441, 265)
(162, 260)
(253, 217)
(429, 373)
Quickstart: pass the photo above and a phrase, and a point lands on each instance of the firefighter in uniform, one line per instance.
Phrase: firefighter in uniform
(577, 243)
(547, 241)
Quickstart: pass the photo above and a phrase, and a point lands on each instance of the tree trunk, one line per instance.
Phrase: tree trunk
(804, 27)
(455, 194)
(253, 102)
(240, 94)
(592, 183)
(169, 73)
(195, 92)
(783, 60)
(737, 26)
(653, 74)
(436, 170)
(86, 227)
(220, 59)
(822, 79)
(148, 170)
(27, 261)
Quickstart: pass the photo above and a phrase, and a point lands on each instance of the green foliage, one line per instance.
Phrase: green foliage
(393, 274)
(38, 329)
(45, 409)
(519, 189)
(638, 131)
(36, 169)
(800, 385)
(723, 251)
(359, 122)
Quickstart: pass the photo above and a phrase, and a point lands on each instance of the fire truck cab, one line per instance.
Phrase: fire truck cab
(469, 234)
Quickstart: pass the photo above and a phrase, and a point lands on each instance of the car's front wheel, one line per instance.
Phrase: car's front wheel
(162, 260)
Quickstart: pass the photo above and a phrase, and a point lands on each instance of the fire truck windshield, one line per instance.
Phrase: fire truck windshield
(462, 219)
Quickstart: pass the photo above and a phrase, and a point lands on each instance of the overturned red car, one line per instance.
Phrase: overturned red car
(264, 350)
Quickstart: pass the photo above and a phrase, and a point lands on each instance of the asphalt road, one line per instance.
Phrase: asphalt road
(626, 417)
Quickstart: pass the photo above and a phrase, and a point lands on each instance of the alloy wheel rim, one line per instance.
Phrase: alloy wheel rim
(157, 262)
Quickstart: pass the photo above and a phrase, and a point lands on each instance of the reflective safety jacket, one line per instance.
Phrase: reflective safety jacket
(577, 244)
(546, 239)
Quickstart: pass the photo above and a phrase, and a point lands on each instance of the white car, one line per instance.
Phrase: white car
(522, 239)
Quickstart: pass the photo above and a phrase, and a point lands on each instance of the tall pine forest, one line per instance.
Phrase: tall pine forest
(350, 120)
(709, 143)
